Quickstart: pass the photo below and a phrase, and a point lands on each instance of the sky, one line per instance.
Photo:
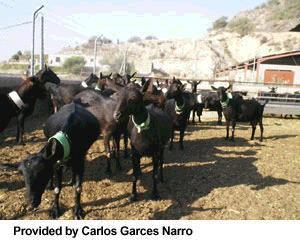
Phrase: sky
(72, 22)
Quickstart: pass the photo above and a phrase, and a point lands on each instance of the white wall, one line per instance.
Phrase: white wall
(295, 69)
(53, 57)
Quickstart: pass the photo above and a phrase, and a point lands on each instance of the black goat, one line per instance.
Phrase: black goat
(102, 107)
(64, 94)
(236, 109)
(20, 103)
(149, 129)
(178, 107)
(211, 102)
(197, 107)
(71, 132)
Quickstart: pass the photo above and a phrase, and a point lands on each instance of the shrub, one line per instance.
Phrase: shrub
(74, 64)
(263, 40)
(220, 23)
(151, 37)
(242, 26)
(116, 62)
(134, 39)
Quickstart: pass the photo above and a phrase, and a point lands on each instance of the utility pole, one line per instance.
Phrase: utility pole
(95, 52)
(123, 66)
(33, 36)
(42, 55)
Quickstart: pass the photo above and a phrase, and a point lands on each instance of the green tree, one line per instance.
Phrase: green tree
(74, 64)
(134, 39)
(220, 23)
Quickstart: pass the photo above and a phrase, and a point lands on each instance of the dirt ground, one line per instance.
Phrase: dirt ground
(211, 179)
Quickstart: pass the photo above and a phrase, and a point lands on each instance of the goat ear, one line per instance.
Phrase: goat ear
(189, 81)
(182, 87)
(132, 75)
(229, 87)
(214, 88)
(51, 148)
(146, 85)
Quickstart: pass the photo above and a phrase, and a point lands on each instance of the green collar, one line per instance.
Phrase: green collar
(225, 103)
(179, 109)
(65, 142)
(144, 125)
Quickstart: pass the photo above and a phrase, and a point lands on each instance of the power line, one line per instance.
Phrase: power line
(15, 25)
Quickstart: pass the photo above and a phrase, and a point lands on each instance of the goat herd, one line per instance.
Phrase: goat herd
(147, 113)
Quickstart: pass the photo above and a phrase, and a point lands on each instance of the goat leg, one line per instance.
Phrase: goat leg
(253, 124)
(181, 136)
(172, 139)
(155, 162)
(219, 118)
(117, 151)
(194, 111)
(125, 136)
(108, 155)
(161, 158)
(233, 129)
(227, 129)
(55, 211)
(20, 128)
(78, 211)
(261, 130)
(136, 173)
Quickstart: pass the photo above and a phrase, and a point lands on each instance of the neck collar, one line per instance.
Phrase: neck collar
(179, 109)
(14, 96)
(83, 84)
(64, 140)
(225, 103)
(144, 125)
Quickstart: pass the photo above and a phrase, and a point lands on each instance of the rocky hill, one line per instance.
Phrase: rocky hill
(261, 31)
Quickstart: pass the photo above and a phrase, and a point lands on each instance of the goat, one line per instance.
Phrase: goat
(102, 107)
(20, 103)
(198, 105)
(236, 109)
(178, 107)
(149, 130)
(71, 132)
(64, 94)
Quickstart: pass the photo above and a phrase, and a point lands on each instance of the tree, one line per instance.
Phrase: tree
(220, 23)
(16, 56)
(151, 37)
(74, 64)
(134, 39)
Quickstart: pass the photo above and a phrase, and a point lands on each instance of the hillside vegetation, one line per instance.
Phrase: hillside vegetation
(257, 32)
